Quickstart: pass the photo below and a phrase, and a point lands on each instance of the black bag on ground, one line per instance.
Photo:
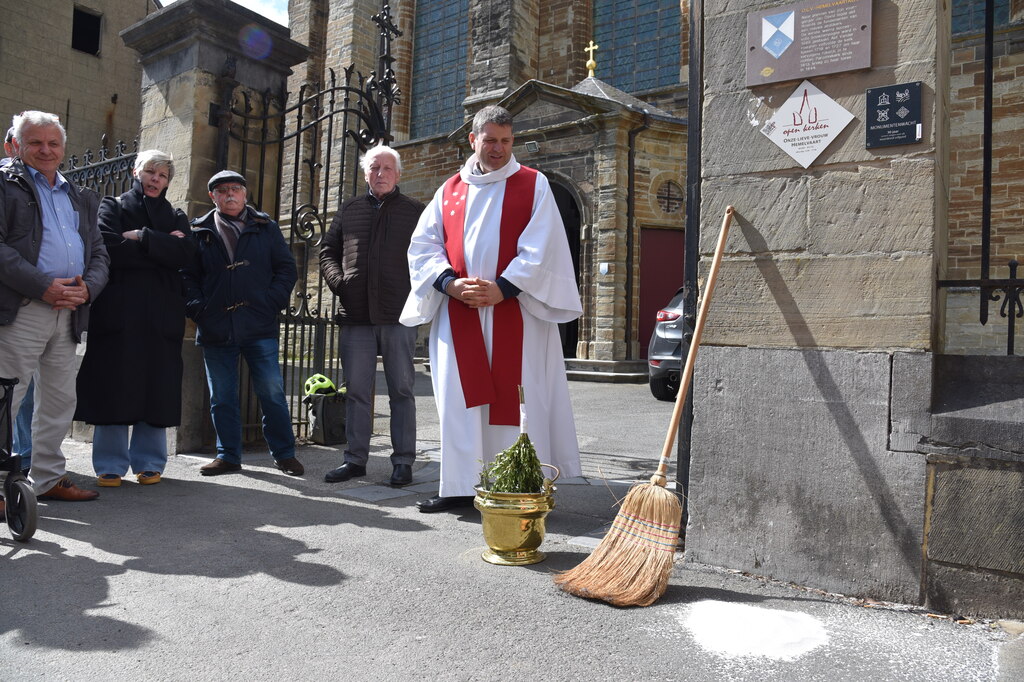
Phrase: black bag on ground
(326, 418)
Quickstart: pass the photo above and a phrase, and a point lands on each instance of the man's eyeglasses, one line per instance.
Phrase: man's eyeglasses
(226, 189)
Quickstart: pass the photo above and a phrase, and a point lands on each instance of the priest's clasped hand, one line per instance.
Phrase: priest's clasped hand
(476, 292)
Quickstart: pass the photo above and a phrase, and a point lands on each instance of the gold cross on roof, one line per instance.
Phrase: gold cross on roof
(591, 64)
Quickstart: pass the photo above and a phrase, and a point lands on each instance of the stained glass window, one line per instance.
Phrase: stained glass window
(639, 43)
(969, 15)
(439, 66)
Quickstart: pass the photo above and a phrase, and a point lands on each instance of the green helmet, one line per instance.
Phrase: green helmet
(319, 384)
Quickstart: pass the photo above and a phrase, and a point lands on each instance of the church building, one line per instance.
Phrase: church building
(611, 138)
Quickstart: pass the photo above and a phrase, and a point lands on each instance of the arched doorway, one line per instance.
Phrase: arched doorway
(570, 213)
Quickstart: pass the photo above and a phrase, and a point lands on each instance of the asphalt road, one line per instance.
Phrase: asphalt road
(260, 576)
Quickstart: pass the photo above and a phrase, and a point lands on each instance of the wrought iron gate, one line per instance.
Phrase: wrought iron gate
(304, 156)
(109, 174)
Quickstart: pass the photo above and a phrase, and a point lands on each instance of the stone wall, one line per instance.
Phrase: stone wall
(829, 273)
(964, 334)
(497, 67)
(94, 95)
(795, 479)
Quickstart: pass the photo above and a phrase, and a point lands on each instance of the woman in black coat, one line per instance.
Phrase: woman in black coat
(131, 372)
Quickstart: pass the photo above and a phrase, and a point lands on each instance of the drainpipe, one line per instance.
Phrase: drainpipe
(695, 104)
(630, 228)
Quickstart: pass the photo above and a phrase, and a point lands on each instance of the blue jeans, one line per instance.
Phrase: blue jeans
(23, 428)
(359, 347)
(112, 452)
(222, 377)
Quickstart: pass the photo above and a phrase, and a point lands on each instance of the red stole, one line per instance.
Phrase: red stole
(484, 383)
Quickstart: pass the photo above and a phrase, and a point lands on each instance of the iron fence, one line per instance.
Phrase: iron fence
(108, 171)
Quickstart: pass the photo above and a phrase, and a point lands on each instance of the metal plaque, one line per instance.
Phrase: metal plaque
(893, 115)
(808, 39)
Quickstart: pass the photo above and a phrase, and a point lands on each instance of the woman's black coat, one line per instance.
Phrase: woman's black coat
(132, 367)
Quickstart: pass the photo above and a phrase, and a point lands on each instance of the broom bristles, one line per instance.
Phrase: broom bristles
(632, 564)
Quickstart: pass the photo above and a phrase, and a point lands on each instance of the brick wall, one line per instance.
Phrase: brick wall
(565, 28)
(963, 333)
(966, 107)
(404, 14)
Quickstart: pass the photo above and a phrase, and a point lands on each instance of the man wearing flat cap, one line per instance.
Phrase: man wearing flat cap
(241, 278)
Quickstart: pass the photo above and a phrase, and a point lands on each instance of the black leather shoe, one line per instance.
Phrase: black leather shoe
(290, 466)
(345, 472)
(402, 475)
(438, 503)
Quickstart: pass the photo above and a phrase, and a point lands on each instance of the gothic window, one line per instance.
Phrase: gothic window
(969, 15)
(639, 43)
(439, 66)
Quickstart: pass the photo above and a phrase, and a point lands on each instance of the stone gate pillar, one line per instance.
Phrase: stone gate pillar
(194, 55)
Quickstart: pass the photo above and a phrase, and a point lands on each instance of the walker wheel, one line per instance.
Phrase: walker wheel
(22, 510)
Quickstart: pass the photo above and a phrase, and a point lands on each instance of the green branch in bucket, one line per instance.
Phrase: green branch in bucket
(516, 469)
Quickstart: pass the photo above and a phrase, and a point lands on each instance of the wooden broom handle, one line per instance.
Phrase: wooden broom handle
(691, 355)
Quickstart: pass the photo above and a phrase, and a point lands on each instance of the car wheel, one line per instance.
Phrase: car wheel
(664, 388)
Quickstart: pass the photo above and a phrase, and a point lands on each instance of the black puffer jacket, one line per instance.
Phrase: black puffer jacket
(132, 367)
(234, 302)
(364, 259)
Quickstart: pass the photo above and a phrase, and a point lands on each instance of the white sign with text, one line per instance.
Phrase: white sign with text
(806, 123)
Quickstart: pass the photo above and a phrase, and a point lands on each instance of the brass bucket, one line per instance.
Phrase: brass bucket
(513, 523)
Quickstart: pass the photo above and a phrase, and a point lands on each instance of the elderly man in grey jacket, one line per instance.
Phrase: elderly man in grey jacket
(52, 264)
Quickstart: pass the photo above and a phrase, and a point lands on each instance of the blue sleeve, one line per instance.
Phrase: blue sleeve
(443, 280)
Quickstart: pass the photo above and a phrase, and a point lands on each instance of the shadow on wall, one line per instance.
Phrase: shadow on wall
(885, 500)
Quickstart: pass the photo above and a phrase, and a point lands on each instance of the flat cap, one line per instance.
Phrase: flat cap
(226, 176)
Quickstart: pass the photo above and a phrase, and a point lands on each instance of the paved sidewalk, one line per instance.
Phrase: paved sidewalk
(261, 576)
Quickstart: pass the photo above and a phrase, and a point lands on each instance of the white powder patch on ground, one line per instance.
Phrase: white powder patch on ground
(737, 630)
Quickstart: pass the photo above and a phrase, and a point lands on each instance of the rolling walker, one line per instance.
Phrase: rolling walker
(19, 497)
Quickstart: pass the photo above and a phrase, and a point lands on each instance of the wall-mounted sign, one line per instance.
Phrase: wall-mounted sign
(808, 39)
(893, 115)
(806, 123)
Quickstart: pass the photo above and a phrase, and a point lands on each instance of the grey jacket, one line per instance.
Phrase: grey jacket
(21, 234)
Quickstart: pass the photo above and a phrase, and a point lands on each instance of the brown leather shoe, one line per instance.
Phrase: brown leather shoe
(67, 491)
(218, 466)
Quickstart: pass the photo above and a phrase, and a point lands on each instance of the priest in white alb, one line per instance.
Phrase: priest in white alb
(491, 270)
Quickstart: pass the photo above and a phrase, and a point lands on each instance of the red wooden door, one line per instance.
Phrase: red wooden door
(661, 273)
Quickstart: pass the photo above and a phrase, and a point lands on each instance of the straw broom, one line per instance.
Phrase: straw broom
(632, 565)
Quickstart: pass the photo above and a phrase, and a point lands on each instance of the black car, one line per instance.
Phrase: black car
(664, 355)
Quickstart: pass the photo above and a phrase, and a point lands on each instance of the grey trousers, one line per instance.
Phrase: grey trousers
(39, 340)
(359, 346)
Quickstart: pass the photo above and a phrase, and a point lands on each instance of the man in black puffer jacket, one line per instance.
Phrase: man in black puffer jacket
(240, 279)
(364, 261)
